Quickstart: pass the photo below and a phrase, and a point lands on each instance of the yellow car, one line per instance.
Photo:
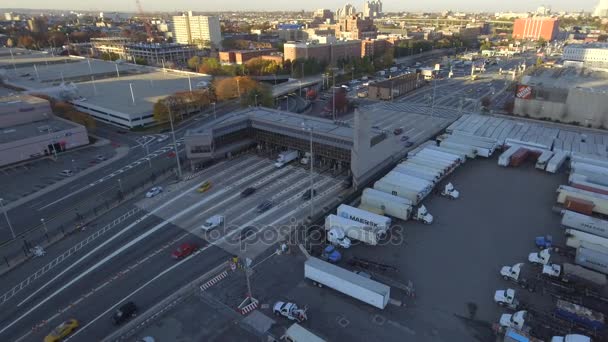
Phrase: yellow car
(62, 330)
(204, 187)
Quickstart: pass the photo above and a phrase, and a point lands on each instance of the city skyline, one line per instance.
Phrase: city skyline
(272, 5)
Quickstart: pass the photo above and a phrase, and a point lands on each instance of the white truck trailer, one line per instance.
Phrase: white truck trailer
(505, 158)
(285, 157)
(431, 177)
(347, 282)
(353, 230)
(426, 168)
(543, 159)
(365, 217)
(297, 333)
(445, 169)
(588, 159)
(600, 202)
(585, 223)
(556, 162)
(462, 156)
(593, 257)
(483, 149)
(450, 163)
(407, 184)
(469, 150)
(394, 206)
(397, 190)
(577, 165)
(442, 155)
(576, 237)
(588, 177)
(476, 137)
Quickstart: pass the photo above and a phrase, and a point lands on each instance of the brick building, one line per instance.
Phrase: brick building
(327, 53)
(535, 28)
(394, 87)
(353, 27)
(242, 56)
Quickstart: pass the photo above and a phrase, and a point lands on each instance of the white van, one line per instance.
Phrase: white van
(213, 222)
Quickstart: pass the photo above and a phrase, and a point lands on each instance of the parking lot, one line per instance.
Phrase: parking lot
(25, 178)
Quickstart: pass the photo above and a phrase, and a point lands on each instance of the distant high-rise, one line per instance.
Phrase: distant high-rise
(347, 11)
(37, 25)
(372, 9)
(189, 29)
(323, 13)
(601, 10)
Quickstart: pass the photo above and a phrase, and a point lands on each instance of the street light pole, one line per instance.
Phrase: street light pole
(312, 191)
(179, 166)
(44, 225)
(214, 115)
(7, 220)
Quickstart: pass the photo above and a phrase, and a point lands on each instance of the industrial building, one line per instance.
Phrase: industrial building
(122, 94)
(394, 87)
(30, 130)
(242, 56)
(567, 95)
(335, 145)
(197, 29)
(593, 55)
(159, 54)
(535, 28)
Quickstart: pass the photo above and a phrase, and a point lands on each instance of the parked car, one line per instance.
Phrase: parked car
(247, 192)
(397, 131)
(62, 330)
(264, 206)
(66, 173)
(100, 157)
(204, 187)
(162, 138)
(307, 194)
(184, 250)
(405, 138)
(126, 311)
(154, 191)
(409, 144)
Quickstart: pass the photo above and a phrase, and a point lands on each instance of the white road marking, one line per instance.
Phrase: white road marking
(137, 290)
(106, 259)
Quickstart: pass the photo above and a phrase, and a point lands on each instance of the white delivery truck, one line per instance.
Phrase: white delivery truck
(347, 282)
(395, 206)
(365, 217)
(340, 227)
(585, 223)
(297, 333)
(285, 157)
(213, 222)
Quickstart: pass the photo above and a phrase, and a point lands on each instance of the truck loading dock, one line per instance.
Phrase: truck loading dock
(355, 147)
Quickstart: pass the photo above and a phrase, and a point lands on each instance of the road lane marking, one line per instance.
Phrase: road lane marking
(179, 263)
(106, 259)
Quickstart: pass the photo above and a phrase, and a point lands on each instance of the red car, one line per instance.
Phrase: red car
(184, 250)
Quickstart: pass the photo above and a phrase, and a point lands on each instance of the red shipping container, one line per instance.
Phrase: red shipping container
(579, 205)
(519, 157)
(589, 188)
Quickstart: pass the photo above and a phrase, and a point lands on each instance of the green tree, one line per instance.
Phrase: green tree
(194, 63)
(539, 61)
(109, 56)
(260, 95)
(141, 61)
(485, 46)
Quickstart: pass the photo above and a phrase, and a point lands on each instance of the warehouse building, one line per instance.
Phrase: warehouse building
(29, 130)
(566, 95)
(357, 149)
(394, 87)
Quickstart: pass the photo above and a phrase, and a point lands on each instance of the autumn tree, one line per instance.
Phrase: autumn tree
(233, 87)
(160, 111)
(194, 62)
(26, 42)
(259, 66)
(261, 95)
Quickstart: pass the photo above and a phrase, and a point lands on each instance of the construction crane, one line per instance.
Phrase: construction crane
(146, 21)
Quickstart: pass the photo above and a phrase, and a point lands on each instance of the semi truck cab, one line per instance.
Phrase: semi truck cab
(423, 215)
(515, 320)
(552, 270)
(511, 272)
(541, 257)
(506, 298)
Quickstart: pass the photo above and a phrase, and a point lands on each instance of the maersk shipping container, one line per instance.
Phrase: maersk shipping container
(593, 258)
(585, 223)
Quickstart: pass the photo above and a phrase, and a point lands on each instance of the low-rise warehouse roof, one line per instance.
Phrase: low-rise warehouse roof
(33, 129)
(568, 78)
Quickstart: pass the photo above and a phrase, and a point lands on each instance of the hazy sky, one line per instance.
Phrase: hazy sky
(207, 5)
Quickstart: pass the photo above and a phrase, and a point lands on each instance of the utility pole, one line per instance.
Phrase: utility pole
(179, 166)
(333, 89)
(312, 191)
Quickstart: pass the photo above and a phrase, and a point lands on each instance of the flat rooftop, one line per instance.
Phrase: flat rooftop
(566, 78)
(104, 85)
(555, 137)
(262, 115)
(33, 129)
(115, 93)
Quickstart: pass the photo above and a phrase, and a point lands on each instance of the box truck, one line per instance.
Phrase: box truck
(585, 223)
(285, 157)
(347, 282)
